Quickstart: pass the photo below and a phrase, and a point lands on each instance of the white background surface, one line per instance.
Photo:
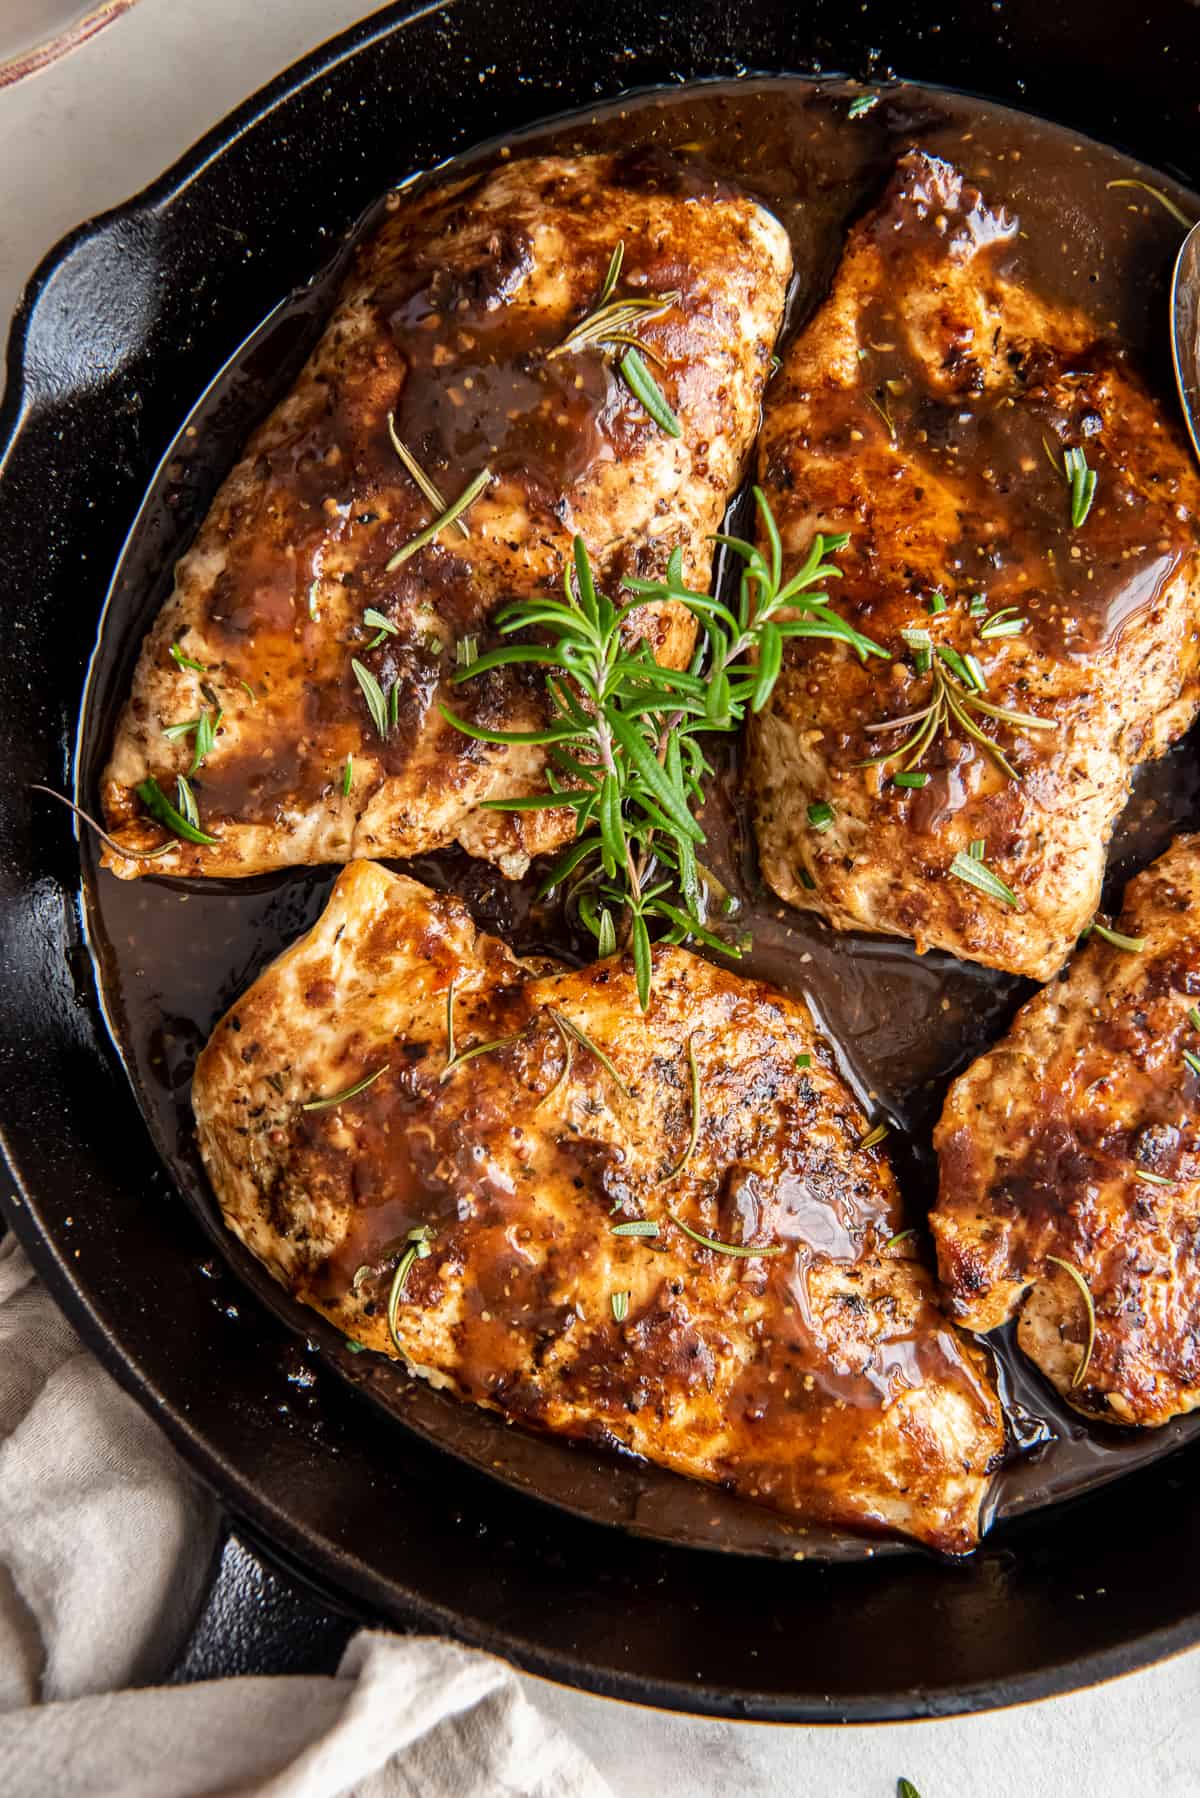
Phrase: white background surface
(75, 140)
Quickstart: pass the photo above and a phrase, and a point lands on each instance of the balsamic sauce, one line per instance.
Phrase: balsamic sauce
(171, 956)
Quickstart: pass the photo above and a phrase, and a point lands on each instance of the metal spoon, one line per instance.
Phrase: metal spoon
(1185, 331)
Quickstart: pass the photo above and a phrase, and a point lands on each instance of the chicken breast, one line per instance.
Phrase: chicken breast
(448, 338)
(932, 409)
(1071, 1153)
(704, 1277)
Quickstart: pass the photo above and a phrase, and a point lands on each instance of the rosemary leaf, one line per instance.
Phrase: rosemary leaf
(1134, 944)
(1085, 1359)
(978, 875)
(620, 1306)
(646, 391)
(820, 814)
(372, 692)
(873, 1137)
(431, 492)
(347, 1092)
(743, 1250)
(450, 516)
(642, 1226)
(347, 777)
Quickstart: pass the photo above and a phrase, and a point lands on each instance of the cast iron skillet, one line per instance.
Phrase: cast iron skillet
(121, 329)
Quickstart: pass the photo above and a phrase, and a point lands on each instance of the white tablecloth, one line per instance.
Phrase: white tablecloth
(73, 141)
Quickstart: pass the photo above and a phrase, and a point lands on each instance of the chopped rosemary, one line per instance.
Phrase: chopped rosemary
(921, 644)
(205, 728)
(1193, 1061)
(620, 1306)
(820, 814)
(647, 393)
(744, 1250)
(1134, 944)
(907, 778)
(355, 1346)
(585, 1042)
(874, 1137)
(466, 652)
(1164, 200)
(804, 1061)
(977, 874)
(861, 104)
(164, 813)
(614, 321)
(418, 1245)
(348, 1092)
(450, 516)
(977, 606)
(900, 1236)
(642, 1226)
(975, 849)
(383, 627)
(347, 777)
(431, 492)
(1193, 1010)
(694, 1071)
(1005, 623)
(622, 737)
(1086, 1292)
(937, 604)
(373, 693)
(1083, 485)
(1143, 1173)
(183, 661)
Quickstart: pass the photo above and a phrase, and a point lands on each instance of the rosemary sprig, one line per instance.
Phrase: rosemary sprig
(413, 468)
(623, 736)
(347, 1092)
(975, 872)
(1085, 1359)
(957, 686)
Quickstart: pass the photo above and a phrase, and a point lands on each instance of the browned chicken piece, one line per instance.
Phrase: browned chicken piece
(931, 409)
(1071, 1153)
(450, 325)
(796, 1357)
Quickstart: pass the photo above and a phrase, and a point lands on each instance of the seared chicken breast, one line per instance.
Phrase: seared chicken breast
(655, 1231)
(448, 346)
(1070, 1159)
(951, 420)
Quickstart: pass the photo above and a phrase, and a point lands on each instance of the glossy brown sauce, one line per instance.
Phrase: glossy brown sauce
(172, 956)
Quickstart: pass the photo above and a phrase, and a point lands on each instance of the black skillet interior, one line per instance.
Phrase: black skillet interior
(122, 329)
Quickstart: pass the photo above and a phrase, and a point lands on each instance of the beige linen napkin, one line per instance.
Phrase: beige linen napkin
(105, 1547)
